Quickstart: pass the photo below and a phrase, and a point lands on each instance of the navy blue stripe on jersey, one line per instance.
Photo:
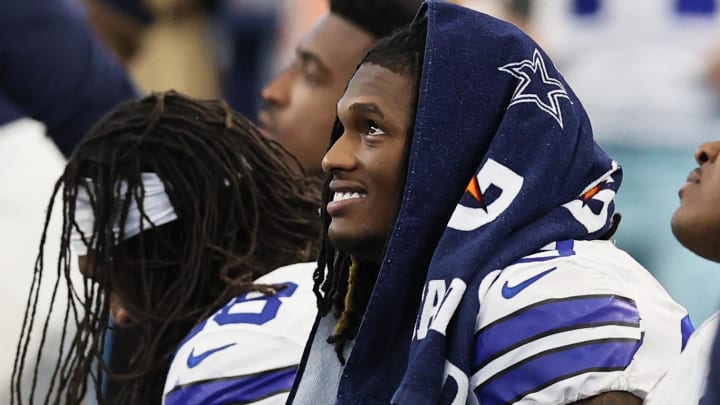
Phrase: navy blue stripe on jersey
(564, 248)
(549, 317)
(544, 369)
(686, 329)
(237, 390)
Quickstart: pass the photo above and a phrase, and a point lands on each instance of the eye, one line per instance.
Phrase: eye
(374, 128)
(311, 78)
(311, 73)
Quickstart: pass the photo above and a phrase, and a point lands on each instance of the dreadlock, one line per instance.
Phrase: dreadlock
(340, 281)
(378, 17)
(244, 207)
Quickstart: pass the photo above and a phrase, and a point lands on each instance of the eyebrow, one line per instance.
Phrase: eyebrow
(308, 57)
(371, 108)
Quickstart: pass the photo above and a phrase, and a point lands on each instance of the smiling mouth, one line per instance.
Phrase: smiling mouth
(340, 196)
(343, 200)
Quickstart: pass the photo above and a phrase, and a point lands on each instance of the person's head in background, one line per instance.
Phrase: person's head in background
(300, 102)
(173, 205)
(696, 223)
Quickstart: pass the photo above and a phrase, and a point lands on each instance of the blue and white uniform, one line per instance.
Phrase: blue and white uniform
(467, 307)
(575, 320)
(249, 350)
(572, 321)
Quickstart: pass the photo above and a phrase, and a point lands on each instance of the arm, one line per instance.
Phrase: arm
(55, 69)
(577, 331)
(611, 398)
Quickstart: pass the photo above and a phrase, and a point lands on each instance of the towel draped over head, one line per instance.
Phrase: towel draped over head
(502, 163)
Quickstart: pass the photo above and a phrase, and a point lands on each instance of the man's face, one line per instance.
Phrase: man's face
(366, 162)
(300, 102)
(696, 224)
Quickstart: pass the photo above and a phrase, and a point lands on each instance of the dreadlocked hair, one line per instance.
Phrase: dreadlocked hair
(378, 17)
(244, 207)
(341, 282)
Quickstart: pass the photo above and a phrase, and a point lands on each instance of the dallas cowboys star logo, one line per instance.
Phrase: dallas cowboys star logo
(536, 86)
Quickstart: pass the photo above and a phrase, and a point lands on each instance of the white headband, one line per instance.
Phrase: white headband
(156, 206)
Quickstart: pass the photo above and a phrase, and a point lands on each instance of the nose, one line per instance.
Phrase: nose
(707, 152)
(341, 155)
(118, 312)
(277, 92)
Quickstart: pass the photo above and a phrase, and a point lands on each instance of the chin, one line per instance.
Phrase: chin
(682, 230)
(362, 248)
(696, 238)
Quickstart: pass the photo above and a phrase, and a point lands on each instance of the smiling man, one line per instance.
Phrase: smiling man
(367, 186)
(300, 102)
(467, 214)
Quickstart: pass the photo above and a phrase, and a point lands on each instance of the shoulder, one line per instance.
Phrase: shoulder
(574, 320)
(300, 273)
(570, 271)
(286, 315)
(253, 340)
(559, 271)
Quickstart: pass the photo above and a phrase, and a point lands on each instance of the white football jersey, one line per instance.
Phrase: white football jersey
(685, 382)
(577, 319)
(249, 350)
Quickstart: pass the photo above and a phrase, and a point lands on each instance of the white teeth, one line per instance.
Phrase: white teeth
(339, 196)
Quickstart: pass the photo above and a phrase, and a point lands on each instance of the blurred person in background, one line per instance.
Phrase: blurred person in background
(164, 44)
(55, 70)
(300, 102)
(56, 79)
(205, 48)
(512, 11)
(643, 69)
(174, 206)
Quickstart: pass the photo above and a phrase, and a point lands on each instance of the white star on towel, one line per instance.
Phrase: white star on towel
(549, 88)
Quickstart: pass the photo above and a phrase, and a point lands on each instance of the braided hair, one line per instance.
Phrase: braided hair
(341, 282)
(244, 207)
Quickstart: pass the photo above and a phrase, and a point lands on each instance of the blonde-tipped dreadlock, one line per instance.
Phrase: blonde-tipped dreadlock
(349, 322)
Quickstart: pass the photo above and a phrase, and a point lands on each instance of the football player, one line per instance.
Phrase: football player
(466, 218)
(175, 206)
